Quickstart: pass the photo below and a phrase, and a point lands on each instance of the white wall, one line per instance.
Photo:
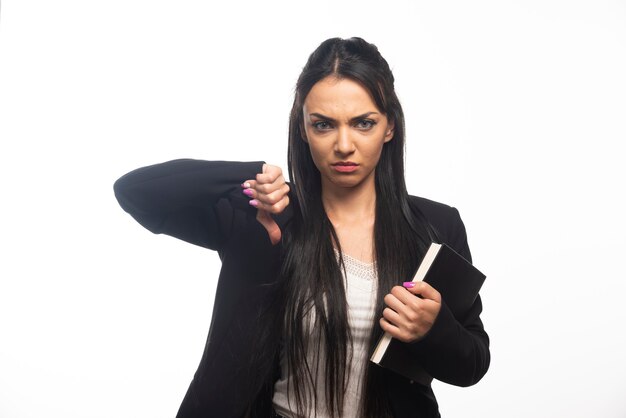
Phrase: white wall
(515, 113)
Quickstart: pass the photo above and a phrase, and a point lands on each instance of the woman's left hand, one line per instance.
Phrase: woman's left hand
(408, 317)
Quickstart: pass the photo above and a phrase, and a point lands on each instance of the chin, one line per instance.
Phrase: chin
(347, 182)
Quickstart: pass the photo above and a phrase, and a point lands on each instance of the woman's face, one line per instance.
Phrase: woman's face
(345, 132)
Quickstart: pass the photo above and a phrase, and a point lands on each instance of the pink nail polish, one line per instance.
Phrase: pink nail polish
(254, 202)
(247, 192)
(408, 285)
(245, 185)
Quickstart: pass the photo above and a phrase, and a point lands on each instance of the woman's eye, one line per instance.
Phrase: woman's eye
(321, 125)
(365, 124)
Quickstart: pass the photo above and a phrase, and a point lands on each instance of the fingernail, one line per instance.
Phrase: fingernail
(245, 185)
(254, 202)
(247, 192)
(408, 285)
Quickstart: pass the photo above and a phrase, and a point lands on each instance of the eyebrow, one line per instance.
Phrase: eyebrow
(328, 118)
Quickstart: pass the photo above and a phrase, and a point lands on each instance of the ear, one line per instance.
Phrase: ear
(390, 131)
(303, 134)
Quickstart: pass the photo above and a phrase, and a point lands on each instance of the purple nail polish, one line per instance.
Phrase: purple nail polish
(254, 202)
(408, 285)
(247, 192)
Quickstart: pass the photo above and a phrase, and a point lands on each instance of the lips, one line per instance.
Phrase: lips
(345, 166)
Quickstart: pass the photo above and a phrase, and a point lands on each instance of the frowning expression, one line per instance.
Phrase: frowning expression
(345, 132)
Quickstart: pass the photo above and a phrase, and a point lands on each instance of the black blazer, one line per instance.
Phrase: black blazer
(202, 202)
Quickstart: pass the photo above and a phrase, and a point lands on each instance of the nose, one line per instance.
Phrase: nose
(343, 143)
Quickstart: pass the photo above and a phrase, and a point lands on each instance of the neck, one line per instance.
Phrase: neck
(350, 205)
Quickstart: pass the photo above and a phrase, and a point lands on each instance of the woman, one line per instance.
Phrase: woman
(310, 272)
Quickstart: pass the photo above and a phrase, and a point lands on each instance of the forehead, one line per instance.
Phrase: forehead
(332, 96)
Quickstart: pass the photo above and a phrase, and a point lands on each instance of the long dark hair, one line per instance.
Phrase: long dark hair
(313, 279)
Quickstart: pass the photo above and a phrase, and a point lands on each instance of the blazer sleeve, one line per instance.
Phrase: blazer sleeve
(194, 200)
(455, 350)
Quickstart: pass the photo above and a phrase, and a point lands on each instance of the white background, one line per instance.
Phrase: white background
(515, 115)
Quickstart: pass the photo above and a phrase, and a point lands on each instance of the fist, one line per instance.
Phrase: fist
(269, 194)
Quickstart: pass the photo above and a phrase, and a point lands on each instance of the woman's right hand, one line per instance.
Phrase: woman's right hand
(269, 193)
